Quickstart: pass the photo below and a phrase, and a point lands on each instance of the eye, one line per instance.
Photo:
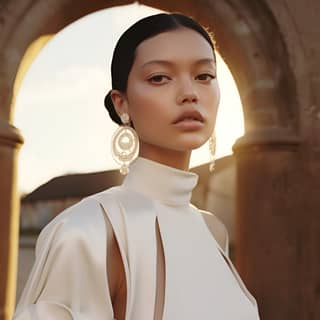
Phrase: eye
(159, 79)
(206, 77)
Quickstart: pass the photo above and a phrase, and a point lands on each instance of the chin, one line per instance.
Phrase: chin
(193, 143)
(181, 145)
(190, 146)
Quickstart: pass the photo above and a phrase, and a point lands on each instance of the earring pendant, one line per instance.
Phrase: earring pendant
(125, 145)
(212, 148)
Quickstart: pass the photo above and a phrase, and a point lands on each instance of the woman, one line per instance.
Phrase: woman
(141, 250)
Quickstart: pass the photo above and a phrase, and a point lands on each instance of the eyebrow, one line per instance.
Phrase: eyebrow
(168, 63)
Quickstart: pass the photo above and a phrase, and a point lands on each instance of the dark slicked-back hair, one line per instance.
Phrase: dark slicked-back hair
(125, 50)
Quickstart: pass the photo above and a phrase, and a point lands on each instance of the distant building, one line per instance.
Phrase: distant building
(45, 202)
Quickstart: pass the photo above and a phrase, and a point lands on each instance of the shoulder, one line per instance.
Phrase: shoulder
(81, 215)
(71, 249)
(82, 218)
(79, 211)
(217, 229)
(74, 223)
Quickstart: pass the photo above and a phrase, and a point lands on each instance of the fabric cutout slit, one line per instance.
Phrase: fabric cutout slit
(231, 268)
(161, 275)
(115, 254)
(237, 277)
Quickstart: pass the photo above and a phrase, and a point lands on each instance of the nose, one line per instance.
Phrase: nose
(187, 93)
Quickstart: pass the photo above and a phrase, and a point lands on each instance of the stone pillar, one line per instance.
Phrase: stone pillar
(10, 142)
(267, 251)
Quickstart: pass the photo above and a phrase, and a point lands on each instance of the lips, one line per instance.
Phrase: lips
(189, 114)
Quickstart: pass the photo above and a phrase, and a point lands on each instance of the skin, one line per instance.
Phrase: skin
(157, 93)
(172, 72)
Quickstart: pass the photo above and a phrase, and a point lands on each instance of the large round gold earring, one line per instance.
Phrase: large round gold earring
(212, 148)
(125, 144)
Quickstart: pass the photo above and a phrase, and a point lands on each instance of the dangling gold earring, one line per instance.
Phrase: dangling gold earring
(125, 144)
(212, 148)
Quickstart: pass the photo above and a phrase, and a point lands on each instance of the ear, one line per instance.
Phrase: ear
(120, 102)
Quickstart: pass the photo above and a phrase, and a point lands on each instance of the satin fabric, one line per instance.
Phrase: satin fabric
(69, 279)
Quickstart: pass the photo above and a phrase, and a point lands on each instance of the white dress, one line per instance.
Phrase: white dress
(69, 278)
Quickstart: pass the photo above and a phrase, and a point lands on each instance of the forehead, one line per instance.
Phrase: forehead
(182, 44)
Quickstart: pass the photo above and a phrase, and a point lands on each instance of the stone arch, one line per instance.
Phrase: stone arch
(243, 30)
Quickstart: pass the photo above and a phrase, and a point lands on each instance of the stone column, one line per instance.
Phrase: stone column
(10, 142)
(266, 225)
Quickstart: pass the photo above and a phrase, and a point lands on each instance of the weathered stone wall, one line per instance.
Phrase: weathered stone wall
(292, 183)
(273, 51)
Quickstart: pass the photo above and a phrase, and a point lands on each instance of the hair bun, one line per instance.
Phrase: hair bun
(111, 109)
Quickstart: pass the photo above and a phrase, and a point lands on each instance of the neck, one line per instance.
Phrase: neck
(164, 183)
(173, 158)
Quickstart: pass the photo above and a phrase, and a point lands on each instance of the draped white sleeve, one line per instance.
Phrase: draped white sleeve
(68, 280)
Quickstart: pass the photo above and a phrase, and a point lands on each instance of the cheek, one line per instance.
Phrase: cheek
(211, 99)
(211, 103)
(146, 107)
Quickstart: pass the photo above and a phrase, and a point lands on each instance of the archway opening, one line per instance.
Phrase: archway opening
(59, 107)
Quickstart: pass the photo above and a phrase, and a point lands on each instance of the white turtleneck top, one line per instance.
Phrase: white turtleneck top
(151, 207)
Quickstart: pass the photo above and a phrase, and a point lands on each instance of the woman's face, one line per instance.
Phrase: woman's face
(173, 72)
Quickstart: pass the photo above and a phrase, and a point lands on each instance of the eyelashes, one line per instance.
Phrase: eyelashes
(158, 79)
(206, 76)
(162, 79)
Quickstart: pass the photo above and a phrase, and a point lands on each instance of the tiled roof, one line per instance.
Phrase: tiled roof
(75, 186)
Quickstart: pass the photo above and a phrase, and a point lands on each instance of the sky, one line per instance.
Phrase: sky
(59, 107)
